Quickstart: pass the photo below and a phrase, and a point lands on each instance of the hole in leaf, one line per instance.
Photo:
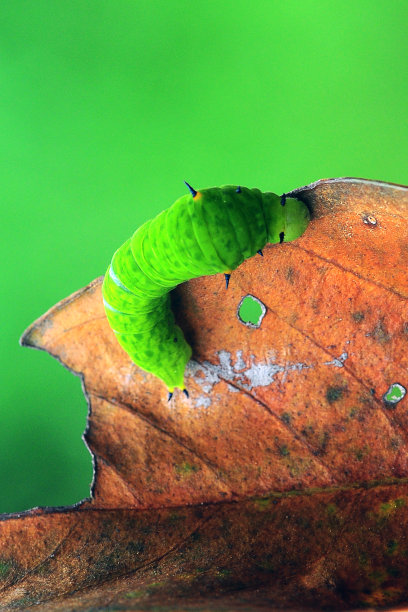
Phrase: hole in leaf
(395, 394)
(251, 311)
(370, 220)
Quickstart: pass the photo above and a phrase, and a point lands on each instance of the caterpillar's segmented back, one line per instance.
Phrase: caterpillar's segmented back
(204, 232)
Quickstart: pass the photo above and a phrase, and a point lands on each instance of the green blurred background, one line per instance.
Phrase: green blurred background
(106, 106)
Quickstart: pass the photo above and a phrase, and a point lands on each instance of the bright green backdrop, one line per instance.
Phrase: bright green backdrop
(106, 106)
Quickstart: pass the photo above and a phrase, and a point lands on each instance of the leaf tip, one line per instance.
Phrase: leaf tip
(27, 338)
(31, 336)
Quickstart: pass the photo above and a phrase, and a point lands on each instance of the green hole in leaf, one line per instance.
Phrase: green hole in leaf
(394, 394)
(251, 311)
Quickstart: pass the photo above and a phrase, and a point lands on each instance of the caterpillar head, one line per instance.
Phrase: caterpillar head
(296, 217)
(286, 219)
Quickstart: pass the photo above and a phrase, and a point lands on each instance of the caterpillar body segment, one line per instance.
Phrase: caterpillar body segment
(204, 232)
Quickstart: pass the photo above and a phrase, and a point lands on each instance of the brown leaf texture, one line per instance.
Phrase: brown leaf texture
(282, 481)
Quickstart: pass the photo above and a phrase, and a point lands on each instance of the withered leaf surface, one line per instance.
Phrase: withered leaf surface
(282, 480)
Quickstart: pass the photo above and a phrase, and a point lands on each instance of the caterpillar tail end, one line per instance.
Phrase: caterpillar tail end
(174, 371)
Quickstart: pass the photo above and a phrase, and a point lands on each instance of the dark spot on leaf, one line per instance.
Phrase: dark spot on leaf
(135, 548)
(186, 468)
(392, 546)
(25, 602)
(308, 430)
(380, 333)
(395, 443)
(5, 568)
(196, 536)
(334, 393)
(315, 306)
(134, 594)
(284, 451)
(358, 316)
(290, 275)
(322, 441)
(286, 418)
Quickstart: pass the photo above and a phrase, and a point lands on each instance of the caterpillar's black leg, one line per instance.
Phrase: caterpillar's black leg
(238, 189)
(260, 252)
(227, 277)
(281, 237)
(186, 392)
(170, 396)
(283, 199)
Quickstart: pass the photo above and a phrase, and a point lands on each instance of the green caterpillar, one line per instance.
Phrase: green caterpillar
(204, 232)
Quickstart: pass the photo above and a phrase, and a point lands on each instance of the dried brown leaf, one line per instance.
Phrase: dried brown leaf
(282, 480)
